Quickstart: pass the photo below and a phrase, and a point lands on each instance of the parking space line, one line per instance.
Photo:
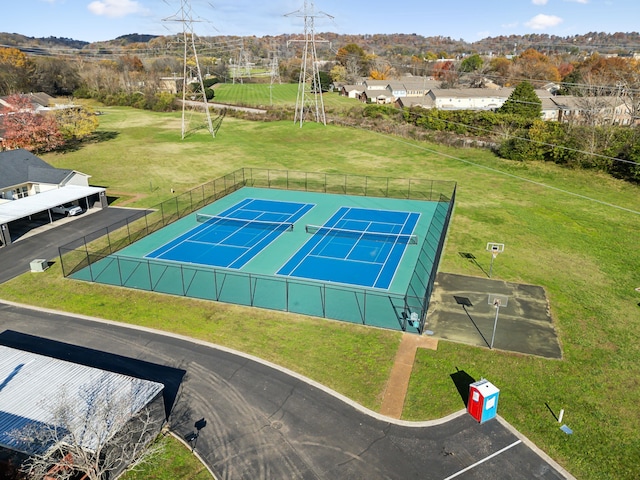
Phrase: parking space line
(484, 460)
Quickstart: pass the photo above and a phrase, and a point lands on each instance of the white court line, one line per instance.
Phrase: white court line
(517, 442)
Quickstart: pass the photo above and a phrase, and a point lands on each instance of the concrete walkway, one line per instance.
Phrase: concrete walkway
(396, 390)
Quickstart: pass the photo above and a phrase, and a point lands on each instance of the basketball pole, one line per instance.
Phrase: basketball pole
(495, 323)
(493, 257)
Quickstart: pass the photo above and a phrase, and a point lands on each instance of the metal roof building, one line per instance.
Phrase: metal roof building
(30, 187)
(33, 386)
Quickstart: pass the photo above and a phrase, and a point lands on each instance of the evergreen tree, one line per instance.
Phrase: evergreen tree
(523, 101)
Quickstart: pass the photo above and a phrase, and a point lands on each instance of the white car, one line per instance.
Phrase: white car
(68, 211)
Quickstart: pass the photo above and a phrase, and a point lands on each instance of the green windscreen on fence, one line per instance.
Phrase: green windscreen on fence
(113, 255)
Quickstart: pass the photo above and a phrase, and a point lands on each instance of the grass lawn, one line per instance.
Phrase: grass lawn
(562, 230)
(175, 463)
(265, 94)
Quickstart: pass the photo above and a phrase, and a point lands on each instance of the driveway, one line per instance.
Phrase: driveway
(264, 422)
(15, 258)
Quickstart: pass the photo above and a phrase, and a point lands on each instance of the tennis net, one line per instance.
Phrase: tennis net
(240, 222)
(406, 239)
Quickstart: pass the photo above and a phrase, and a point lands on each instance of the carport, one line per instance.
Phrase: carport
(41, 204)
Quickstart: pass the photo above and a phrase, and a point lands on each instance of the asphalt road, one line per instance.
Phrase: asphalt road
(263, 422)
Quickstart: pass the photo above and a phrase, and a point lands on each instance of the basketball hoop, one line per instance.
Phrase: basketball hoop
(498, 300)
(495, 249)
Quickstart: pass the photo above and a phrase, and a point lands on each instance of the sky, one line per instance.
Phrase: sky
(470, 20)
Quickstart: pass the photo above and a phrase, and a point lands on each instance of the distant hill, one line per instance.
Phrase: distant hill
(399, 44)
(17, 40)
(32, 43)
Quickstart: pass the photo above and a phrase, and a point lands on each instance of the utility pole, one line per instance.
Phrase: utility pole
(195, 98)
(309, 98)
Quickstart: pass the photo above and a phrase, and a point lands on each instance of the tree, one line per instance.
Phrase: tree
(446, 73)
(471, 63)
(55, 76)
(25, 128)
(534, 65)
(16, 71)
(98, 433)
(353, 58)
(351, 50)
(76, 122)
(501, 66)
(338, 73)
(523, 101)
(325, 81)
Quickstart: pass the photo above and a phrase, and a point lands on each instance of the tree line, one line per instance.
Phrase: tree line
(135, 81)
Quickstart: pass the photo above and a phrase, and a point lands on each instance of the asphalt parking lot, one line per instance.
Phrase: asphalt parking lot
(44, 242)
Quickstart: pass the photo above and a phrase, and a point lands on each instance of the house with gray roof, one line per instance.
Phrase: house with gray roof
(352, 91)
(40, 101)
(29, 187)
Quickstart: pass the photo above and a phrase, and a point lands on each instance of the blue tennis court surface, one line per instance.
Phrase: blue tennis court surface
(355, 246)
(235, 236)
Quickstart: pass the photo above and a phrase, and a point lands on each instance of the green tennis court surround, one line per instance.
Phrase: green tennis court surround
(119, 256)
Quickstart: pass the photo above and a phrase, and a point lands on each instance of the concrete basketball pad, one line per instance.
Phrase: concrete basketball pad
(460, 312)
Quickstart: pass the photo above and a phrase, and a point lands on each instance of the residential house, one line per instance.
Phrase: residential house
(40, 101)
(375, 85)
(468, 98)
(352, 91)
(379, 96)
(604, 110)
(412, 86)
(29, 186)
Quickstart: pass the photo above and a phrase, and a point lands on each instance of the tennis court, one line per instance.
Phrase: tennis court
(364, 259)
(235, 236)
(356, 246)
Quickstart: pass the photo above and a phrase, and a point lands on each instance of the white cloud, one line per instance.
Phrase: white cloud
(541, 22)
(114, 8)
(584, 2)
(539, 2)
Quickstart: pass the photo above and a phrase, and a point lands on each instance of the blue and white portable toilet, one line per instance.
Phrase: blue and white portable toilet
(483, 400)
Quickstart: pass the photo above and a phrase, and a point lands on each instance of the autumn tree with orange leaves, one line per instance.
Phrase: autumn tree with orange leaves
(25, 128)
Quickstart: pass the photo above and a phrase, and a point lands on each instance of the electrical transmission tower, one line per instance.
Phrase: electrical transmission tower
(191, 97)
(274, 74)
(309, 99)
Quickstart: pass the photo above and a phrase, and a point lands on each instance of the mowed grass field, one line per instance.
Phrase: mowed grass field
(573, 232)
(264, 94)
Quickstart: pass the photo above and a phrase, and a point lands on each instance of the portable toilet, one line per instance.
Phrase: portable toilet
(483, 400)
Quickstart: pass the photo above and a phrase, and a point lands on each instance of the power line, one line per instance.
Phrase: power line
(495, 170)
